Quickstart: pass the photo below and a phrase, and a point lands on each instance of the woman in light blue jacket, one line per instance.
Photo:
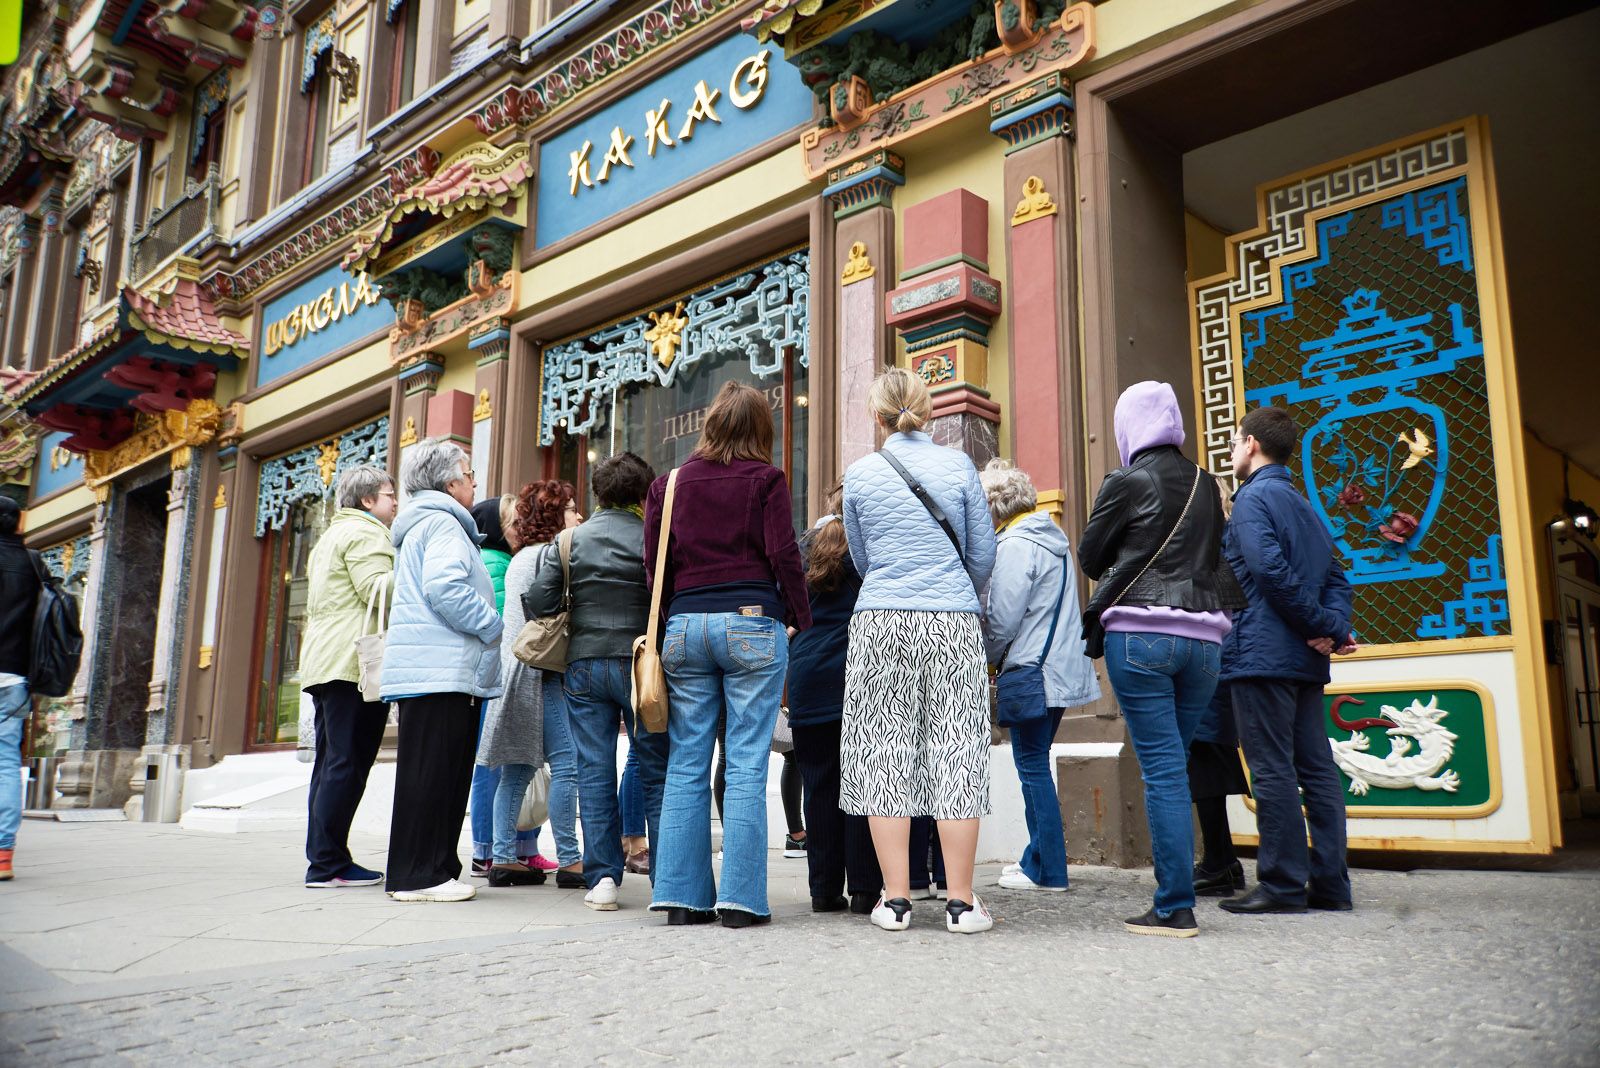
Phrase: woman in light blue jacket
(915, 733)
(1034, 636)
(441, 660)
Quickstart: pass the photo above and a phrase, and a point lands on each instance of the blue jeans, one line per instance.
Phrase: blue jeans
(485, 783)
(14, 706)
(630, 798)
(715, 663)
(514, 780)
(1045, 859)
(1164, 684)
(562, 757)
(599, 695)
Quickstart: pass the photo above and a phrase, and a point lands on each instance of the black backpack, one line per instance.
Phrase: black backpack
(57, 638)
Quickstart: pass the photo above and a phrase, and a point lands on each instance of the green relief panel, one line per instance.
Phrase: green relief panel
(1430, 750)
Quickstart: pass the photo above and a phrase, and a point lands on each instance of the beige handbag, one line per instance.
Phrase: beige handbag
(649, 678)
(369, 646)
(542, 642)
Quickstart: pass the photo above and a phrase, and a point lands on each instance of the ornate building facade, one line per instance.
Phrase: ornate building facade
(247, 246)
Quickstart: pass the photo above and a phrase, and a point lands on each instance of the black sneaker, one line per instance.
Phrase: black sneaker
(794, 848)
(515, 875)
(861, 904)
(1221, 883)
(1178, 925)
(836, 903)
(570, 880)
(480, 868)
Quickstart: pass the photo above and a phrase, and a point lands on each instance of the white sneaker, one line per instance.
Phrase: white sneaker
(924, 893)
(449, 890)
(602, 897)
(1016, 880)
(892, 914)
(1009, 868)
(962, 918)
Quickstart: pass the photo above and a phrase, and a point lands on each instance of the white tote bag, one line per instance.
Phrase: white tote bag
(369, 646)
(536, 801)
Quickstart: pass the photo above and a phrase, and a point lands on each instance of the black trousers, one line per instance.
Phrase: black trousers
(349, 732)
(838, 844)
(432, 778)
(788, 781)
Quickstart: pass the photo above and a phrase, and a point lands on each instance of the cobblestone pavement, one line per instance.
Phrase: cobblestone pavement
(1434, 967)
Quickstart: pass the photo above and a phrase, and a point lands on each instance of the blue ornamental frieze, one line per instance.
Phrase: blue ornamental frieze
(1483, 609)
(760, 314)
(1362, 377)
(68, 561)
(312, 472)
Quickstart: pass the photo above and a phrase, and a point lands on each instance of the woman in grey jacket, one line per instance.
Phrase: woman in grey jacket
(915, 735)
(1032, 620)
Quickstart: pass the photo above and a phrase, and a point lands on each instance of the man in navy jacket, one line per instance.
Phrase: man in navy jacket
(1275, 661)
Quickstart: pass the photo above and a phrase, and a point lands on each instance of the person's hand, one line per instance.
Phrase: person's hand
(1346, 647)
(791, 631)
(1321, 645)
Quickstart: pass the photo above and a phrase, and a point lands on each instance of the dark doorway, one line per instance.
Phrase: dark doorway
(139, 548)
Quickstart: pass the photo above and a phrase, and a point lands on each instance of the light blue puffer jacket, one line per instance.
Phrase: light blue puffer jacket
(905, 558)
(1028, 567)
(444, 633)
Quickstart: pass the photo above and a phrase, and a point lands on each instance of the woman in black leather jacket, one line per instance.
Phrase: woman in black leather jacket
(1154, 547)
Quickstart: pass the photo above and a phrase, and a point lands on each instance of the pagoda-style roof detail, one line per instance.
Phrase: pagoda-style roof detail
(776, 17)
(187, 320)
(479, 177)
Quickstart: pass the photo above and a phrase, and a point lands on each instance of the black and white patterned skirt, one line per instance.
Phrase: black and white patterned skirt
(915, 737)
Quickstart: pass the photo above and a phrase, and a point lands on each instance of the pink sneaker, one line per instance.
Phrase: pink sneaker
(540, 862)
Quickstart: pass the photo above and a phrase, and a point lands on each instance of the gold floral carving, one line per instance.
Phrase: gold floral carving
(328, 460)
(408, 433)
(69, 552)
(221, 500)
(1035, 202)
(170, 432)
(858, 267)
(666, 336)
(483, 409)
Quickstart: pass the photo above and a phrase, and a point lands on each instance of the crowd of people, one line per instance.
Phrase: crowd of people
(932, 608)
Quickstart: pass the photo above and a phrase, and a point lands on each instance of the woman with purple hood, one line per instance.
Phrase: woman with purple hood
(1153, 545)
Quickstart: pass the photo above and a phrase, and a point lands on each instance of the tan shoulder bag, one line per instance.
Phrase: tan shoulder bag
(649, 678)
(542, 642)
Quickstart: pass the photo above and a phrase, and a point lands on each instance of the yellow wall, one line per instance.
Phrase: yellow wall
(1125, 27)
(319, 388)
(1545, 495)
(460, 372)
(56, 508)
(963, 154)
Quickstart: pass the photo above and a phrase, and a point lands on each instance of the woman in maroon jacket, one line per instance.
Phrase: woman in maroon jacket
(735, 590)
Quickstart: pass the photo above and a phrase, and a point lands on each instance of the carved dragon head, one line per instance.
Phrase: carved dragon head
(1418, 719)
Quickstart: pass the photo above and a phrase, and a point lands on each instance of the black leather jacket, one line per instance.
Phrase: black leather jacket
(19, 593)
(1135, 510)
(610, 601)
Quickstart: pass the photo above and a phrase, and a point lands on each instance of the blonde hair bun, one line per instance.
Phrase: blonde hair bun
(899, 400)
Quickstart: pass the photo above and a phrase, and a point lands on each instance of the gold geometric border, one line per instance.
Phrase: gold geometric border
(1491, 738)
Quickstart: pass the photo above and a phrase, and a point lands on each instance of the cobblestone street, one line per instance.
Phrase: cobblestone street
(1434, 967)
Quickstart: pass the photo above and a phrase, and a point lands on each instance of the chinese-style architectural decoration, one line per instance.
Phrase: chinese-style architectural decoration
(160, 354)
(34, 129)
(132, 58)
(884, 73)
(943, 309)
(445, 252)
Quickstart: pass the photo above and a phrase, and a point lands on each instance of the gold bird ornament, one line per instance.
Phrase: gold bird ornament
(1420, 446)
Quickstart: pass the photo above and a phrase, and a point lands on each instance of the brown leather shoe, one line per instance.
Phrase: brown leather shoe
(638, 863)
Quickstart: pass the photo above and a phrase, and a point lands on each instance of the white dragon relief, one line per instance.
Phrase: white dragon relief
(1400, 769)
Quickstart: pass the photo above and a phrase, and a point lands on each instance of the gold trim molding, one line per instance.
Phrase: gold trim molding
(1036, 203)
(170, 433)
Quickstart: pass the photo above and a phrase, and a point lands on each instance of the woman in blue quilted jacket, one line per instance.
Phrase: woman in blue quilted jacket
(915, 735)
(441, 660)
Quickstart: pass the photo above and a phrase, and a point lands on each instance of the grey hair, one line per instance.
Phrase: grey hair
(431, 465)
(1009, 490)
(360, 482)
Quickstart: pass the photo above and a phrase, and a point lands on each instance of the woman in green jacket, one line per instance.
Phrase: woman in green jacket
(350, 565)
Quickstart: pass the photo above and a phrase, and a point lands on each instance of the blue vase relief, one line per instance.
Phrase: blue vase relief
(1376, 462)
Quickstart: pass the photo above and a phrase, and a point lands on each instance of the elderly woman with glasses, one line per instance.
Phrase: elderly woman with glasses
(442, 659)
(348, 569)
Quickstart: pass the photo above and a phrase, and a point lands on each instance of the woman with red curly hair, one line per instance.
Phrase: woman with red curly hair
(528, 726)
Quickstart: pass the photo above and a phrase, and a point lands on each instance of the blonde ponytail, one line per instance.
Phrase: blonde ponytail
(899, 400)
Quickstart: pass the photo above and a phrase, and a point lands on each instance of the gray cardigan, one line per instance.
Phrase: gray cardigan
(513, 726)
(609, 597)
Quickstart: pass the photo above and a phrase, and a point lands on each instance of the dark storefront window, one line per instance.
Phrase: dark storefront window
(276, 718)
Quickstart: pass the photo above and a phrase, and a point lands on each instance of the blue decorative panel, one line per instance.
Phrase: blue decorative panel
(1375, 345)
(314, 471)
(323, 314)
(56, 469)
(760, 313)
(725, 100)
(69, 561)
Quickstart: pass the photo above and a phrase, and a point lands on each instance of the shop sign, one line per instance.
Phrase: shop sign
(724, 101)
(689, 424)
(56, 468)
(321, 315)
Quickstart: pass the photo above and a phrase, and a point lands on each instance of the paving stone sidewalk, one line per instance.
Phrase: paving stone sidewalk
(1435, 967)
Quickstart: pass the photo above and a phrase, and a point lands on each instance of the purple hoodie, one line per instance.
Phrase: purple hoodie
(1147, 416)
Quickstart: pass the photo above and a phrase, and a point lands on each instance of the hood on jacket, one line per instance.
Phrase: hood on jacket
(429, 503)
(1147, 415)
(487, 515)
(1042, 531)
